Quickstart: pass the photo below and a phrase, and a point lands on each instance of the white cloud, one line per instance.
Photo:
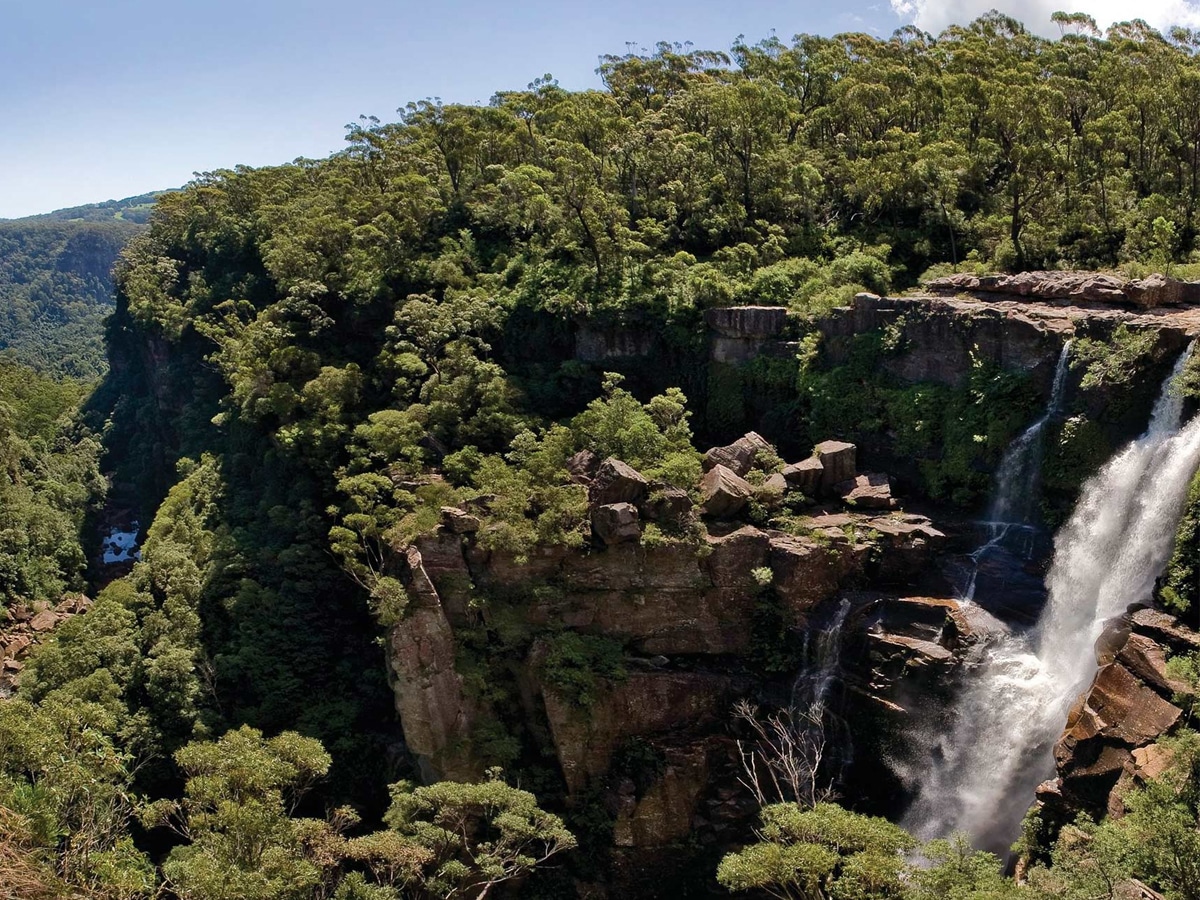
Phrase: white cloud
(935, 15)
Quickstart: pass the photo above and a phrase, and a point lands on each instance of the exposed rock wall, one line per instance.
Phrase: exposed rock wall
(689, 615)
(1110, 740)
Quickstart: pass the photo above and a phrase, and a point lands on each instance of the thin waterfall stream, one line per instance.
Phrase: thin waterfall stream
(983, 771)
(1011, 523)
(811, 690)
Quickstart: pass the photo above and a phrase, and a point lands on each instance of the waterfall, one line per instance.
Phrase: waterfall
(1020, 470)
(811, 717)
(1012, 534)
(981, 777)
(822, 658)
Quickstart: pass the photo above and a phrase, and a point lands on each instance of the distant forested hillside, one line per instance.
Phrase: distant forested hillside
(56, 285)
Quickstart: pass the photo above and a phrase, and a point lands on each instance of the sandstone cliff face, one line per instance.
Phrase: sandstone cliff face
(689, 617)
(678, 600)
(1110, 740)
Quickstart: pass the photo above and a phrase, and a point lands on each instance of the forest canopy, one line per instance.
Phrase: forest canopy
(314, 362)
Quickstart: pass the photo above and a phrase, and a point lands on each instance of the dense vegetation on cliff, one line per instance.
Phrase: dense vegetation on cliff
(56, 283)
(310, 361)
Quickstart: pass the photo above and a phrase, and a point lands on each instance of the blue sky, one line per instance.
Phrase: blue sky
(108, 98)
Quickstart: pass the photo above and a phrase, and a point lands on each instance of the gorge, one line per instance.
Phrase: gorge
(687, 487)
(1106, 558)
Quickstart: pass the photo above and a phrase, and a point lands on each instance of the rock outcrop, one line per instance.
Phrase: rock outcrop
(870, 491)
(1076, 287)
(1110, 740)
(723, 493)
(739, 456)
(838, 464)
(742, 332)
(617, 482)
(614, 523)
(23, 627)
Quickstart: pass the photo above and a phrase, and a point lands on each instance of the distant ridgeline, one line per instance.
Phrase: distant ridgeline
(56, 283)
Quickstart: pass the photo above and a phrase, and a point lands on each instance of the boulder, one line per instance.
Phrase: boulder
(739, 456)
(724, 493)
(838, 463)
(582, 466)
(617, 482)
(670, 506)
(805, 476)
(870, 491)
(44, 620)
(458, 521)
(1159, 290)
(770, 492)
(614, 523)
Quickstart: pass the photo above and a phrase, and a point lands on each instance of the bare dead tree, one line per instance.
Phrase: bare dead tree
(782, 761)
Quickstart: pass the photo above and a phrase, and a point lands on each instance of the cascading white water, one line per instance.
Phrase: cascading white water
(810, 716)
(822, 659)
(1021, 468)
(982, 775)
(1012, 515)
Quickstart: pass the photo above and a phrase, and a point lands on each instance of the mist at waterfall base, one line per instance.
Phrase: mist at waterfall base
(981, 771)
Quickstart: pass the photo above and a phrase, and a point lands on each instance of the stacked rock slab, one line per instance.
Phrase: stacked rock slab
(724, 493)
(838, 464)
(1110, 741)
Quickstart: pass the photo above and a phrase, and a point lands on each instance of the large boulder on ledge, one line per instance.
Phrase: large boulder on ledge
(617, 482)
(615, 523)
(838, 463)
(805, 476)
(739, 456)
(724, 493)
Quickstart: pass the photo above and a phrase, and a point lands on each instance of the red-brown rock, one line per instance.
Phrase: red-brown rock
(617, 482)
(738, 457)
(723, 493)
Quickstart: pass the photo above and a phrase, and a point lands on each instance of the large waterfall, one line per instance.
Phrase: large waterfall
(982, 774)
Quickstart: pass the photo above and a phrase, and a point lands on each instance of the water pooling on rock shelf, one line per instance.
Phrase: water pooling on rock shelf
(983, 772)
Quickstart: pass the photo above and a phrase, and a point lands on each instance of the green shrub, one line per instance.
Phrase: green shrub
(575, 664)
